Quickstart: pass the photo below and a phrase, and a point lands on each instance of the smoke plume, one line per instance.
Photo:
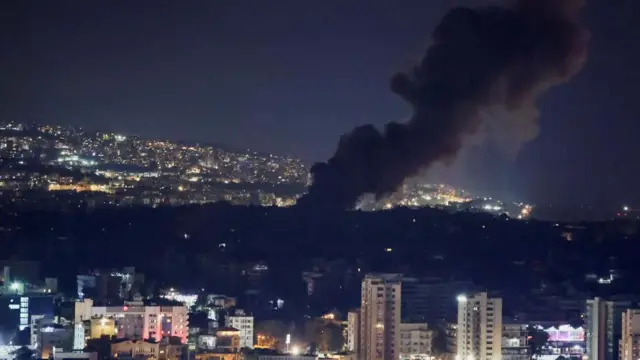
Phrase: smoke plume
(486, 67)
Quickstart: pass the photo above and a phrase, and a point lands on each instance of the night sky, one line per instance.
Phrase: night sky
(290, 77)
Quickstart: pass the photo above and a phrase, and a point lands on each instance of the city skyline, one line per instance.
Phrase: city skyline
(204, 72)
(416, 192)
(344, 180)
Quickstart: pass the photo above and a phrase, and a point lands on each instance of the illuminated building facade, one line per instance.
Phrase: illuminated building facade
(565, 340)
(415, 342)
(53, 337)
(228, 339)
(630, 340)
(244, 324)
(135, 320)
(144, 349)
(515, 345)
(353, 331)
(479, 328)
(380, 317)
(102, 326)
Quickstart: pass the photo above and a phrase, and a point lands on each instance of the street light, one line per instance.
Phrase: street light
(295, 351)
(461, 298)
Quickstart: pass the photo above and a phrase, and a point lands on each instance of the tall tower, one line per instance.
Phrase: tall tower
(479, 328)
(604, 328)
(353, 331)
(380, 317)
(630, 341)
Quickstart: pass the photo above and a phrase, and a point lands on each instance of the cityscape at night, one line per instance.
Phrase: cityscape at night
(42, 163)
(316, 180)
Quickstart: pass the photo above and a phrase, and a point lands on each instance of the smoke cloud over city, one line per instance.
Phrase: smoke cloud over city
(485, 69)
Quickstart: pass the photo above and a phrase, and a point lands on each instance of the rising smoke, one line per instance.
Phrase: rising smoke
(486, 67)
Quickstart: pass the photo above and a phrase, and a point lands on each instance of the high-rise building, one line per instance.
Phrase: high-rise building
(380, 317)
(630, 341)
(515, 344)
(415, 341)
(479, 328)
(353, 331)
(244, 324)
(604, 328)
(451, 333)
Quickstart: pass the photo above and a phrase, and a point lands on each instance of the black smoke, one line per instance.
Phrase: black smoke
(486, 67)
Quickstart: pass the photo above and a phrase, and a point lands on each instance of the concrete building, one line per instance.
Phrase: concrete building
(82, 310)
(54, 337)
(79, 337)
(432, 300)
(135, 349)
(603, 330)
(244, 323)
(515, 345)
(38, 322)
(148, 350)
(479, 327)
(380, 317)
(451, 337)
(205, 342)
(415, 341)
(630, 339)
(353, 331)
(228, 339)
(137, 320)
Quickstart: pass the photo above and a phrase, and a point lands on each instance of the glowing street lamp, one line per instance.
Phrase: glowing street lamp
(295, 351)
(461, 298)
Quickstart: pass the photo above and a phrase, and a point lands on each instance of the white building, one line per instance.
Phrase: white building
(135, 320)
(380, 317)
(353, 331)
(630, 341)
(479, 328)
(415, 342)
(243, 323)
(79, 337)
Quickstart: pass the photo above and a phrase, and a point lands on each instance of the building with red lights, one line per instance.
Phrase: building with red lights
(138, 320)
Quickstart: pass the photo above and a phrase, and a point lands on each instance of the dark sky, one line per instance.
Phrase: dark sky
(290, 76)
